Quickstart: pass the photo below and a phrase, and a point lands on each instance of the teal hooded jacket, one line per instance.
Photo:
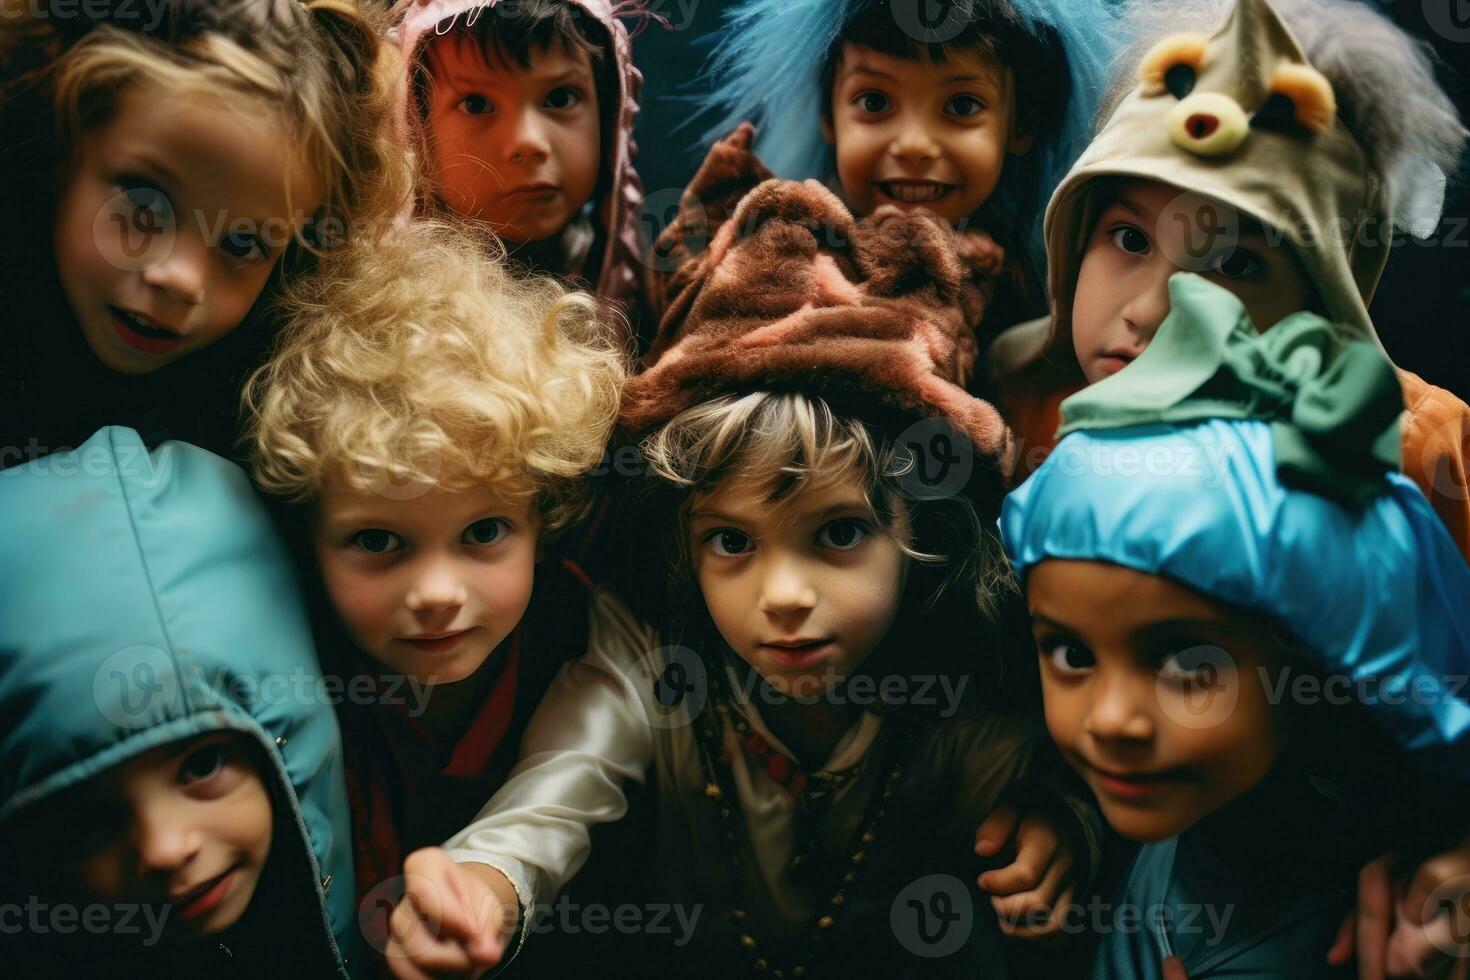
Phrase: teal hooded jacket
(145, 599)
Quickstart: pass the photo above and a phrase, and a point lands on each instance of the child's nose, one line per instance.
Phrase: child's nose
(1119, 709)
(913, 142)
(528, 140)
(1150, 304)
(164, 839)
(437, 588)
(183, 271)
(785, 588)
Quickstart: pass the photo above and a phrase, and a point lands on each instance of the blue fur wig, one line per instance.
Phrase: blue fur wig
(767, 64)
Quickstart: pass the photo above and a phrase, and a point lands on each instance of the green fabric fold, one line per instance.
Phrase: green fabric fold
(1334, 401)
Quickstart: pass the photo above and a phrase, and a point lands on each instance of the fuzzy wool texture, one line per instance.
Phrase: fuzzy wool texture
(876, 316)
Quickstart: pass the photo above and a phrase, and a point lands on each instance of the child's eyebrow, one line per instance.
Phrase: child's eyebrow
(716, 515)
(953, 79)
(1212, 627)
(844, 507)
(360, 518)
(1045, 620)
(1127, 205)
(574, 74)
(147, 161)
(863, 68)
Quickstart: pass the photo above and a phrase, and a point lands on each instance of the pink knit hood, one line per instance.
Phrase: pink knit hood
(621, 268)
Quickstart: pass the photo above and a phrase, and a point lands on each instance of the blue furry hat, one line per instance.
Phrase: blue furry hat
(767, 68)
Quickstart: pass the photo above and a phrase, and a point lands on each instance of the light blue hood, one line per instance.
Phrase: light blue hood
(145, 598)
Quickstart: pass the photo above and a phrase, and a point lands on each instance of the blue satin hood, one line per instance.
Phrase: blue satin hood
(1378, 595)
(147, 599)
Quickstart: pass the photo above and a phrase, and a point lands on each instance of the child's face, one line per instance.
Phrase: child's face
(804, 594)
(1154, 693)
(919, 134)
(428, 586)
(172, 217)
(187, 824)
(1149, 232)
(517, 148)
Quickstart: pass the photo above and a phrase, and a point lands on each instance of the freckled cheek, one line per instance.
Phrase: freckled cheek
(101, 875)
(365, 603)
(1064, 711)
(730, 599)
(503, 588)
(229, 309)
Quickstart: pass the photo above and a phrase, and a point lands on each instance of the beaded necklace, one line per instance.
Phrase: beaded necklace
(719, 789)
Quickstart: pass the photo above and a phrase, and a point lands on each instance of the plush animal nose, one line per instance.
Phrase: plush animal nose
(1208, 124)
(1201, 125)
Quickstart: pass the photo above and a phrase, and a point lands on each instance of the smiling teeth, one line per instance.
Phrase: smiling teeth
(146, 326)
(915, 193)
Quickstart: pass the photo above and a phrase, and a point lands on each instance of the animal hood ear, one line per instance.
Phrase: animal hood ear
(1416, 192)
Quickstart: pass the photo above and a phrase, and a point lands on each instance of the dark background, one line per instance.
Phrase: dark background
(1422, 308)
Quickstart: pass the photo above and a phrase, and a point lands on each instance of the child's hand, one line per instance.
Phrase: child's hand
(1031, 894)
(1394, 930)
(453, 920)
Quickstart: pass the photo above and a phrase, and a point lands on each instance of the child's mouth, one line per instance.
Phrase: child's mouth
(143, 333)
(798, 653)
(915, 191)
(206, 898)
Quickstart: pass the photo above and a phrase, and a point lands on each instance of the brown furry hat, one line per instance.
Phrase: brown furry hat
(874, 316)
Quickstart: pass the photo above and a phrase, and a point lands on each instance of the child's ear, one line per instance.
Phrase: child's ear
(829, 134)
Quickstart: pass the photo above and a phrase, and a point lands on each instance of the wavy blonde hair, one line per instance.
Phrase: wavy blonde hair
(422, 358)
(321, 67)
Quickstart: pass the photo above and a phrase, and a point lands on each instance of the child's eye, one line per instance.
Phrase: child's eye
(964, 105)
(244, 246)
(151, 207)
(728, 542)
(202, 764)
(376, 541)
(563, 97)
(475, 105)
(488, 531)
(1069, 658)
(1130, 240)
(1201, 665)
(874, 102)
(1238, 263)
(842, 535)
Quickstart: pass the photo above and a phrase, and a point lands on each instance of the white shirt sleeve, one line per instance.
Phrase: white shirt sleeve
(591, 731)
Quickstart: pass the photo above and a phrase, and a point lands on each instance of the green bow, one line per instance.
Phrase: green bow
(1334, 401)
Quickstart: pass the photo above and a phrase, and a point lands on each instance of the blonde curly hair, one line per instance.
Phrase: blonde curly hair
(422, 359)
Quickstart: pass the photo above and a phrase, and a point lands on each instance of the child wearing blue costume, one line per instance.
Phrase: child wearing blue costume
(973, 115)
(1221, 525)
(172, 800)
